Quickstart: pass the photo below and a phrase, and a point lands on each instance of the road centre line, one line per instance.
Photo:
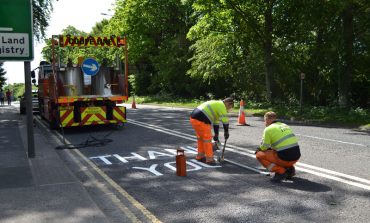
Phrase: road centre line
(307, 166)
(332, 140)
(243, 151)
(334, 173)
(335, 178)
(159, 129)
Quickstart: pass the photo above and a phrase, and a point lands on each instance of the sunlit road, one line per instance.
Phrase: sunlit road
(332, 182)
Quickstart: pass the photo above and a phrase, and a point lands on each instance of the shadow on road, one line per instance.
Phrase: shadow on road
(305, 185)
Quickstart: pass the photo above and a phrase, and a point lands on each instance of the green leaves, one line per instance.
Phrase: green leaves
(2, 75)
(256, 49)
(41, 15)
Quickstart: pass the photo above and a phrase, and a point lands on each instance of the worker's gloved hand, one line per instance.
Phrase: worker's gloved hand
(226, 135)
(215, 138)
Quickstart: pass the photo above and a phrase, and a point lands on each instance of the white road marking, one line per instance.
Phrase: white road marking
(334, 173)
(356, 184)
(348, 179)
(302, 135)
(331, 140)
(111, 182)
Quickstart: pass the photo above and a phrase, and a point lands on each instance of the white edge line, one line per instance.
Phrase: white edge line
(335, 173)
(314, 137)
(310, 167)
(334, 178)
(316, 168)
(332, 140)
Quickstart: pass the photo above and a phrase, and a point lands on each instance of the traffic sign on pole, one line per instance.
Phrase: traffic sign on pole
(16, 42)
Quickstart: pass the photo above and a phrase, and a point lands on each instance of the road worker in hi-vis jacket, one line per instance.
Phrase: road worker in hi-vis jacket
(202, 118)
(279, 149)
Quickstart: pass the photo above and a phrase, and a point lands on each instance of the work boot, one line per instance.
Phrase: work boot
(211, 163)
(203, 159)
(278, 177)
(290, 172)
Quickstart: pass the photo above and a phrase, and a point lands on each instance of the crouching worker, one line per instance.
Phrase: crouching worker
(202, 118)
(279, 149)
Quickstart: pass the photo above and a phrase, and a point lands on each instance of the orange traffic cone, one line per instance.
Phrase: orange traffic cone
(133, 105)
(241, 118)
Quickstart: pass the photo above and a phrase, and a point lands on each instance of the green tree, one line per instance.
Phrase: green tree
(346, 77)
(63, 53)
(41, 16)
(256, 49)
(322, 39)
(158, 48)
(326, 40)
(304, 43)
(252, 23)
(2, 76)
(360, 88)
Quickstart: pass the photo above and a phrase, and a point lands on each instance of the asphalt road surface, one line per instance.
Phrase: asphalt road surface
(138, 161)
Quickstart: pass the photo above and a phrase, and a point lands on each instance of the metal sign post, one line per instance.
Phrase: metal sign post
(16, 44)
(28, 88)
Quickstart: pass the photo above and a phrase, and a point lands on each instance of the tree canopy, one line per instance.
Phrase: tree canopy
(2, 76)
(41, 16)
(256, 50)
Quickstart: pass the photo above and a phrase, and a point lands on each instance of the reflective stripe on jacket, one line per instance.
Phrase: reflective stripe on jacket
(215, 111)
(278, 136)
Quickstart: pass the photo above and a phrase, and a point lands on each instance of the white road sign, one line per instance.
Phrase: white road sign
(14, 45)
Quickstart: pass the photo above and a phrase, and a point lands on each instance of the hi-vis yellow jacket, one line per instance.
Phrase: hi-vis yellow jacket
(278, 136)
(215, 111)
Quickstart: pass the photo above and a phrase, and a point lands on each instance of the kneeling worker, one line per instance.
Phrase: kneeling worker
(279, 149)
(207, 114)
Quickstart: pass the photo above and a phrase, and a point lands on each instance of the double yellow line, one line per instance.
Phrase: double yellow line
(128, 213)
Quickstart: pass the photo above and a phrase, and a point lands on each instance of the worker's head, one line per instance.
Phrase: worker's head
(269, 117)
(229, 103)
